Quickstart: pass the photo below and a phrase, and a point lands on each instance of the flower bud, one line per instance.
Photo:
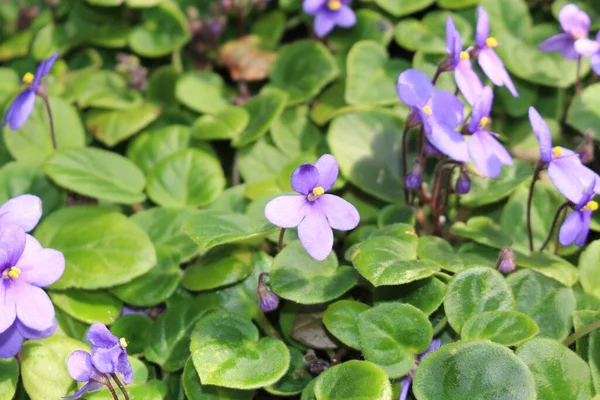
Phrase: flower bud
(267, 300)
(413, 178)
(586, 148)
(506, 261)
(463, 184)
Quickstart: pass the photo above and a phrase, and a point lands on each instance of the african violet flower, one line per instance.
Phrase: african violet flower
(440, 113)
(24, 211)
(313, 211)
(267, 300)
(328, 14)
(576, 227)
(576, 24)
(489, 61)
(81, 368)
(22, 106)
(406, 382)
(590, 48)
(26, 312)
(486, 153)
(565, 169)
(109, 353)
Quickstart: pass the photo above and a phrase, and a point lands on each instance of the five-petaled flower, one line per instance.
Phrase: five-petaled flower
(22, 106)
(406, 382)
(486, 153)
(440, 113)
(313, 211)
(109, 353)
(576, 24)
(489, 61)
(576, 227)
(328, 14)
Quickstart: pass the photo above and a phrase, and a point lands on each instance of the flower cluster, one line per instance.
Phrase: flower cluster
(26, 311)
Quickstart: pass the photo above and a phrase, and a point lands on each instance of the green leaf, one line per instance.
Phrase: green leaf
(296, 378)
(550, 304)
(32, 142)
(228, 123)
(69, 326)
(187, 178)
(474, 291)
(341, 319)
(550, 265)
(482, 230)
(369, 158)
(89, 307)
(385, 260)
(134, 329)
(262, 109)
(294, 133)
(302, 69)
(589, 345)
(584, 112)
(153, 390)
(399, 8)
(437, 249)
(371, 75)
(392, 334)
(297, 276)
(588, 263)
(99, 242)
(425, 294)
(151, 146)
(370, 25)
(478, 370)
(353, 380)
(505, 327)
(308, 329)
(97, 173)
(195, 390)
(102, 89)
(222, 269)
(558, 372)
(214, 228)
(202, 92)
(270, 28)
(455, 4)
(161, 85)
(261, 162)
(163, 30)
(227, 352)
(9, 371)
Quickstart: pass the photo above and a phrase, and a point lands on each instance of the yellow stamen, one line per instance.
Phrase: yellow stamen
(491, 42)
(28, 78)
(592, 205)
(427, 110)
(123, 342)
(334, 5)
(14, 272)
(318, 191)
(485, 121)
(557, 151)
(464, 55)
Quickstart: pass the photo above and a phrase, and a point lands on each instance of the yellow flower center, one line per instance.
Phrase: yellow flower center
(557, 151)
(485, 121)
(464, 55)
(14, 272)
(491, 42)
(123, 342)
(427, 110)
(318, 191)
(334, 5)
(591, 205)
(28, 78)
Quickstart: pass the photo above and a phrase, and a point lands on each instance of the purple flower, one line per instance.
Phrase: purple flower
(576, 24)
(486, 153)
(22, 106)
(109, 353)
(414, 178)
(565, 169)
(328, 14)
(489, 61)
(24, 211)
(267, 300)
(26, 312)
(463, 183)
(576, 227)
(81, 368)
(406, 382)
(459, 61)
(590, 48)
(506, 261)
(440, 113)
(312, 211)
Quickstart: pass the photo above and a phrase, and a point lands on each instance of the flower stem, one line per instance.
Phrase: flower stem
(437, 74)
(536, 174)
(554, 221)
(404, 161)
(111, 389)
(581, 333)
(120, 385)
(280, 242)
(578, 84)
(176, 60)
(51, 120)
(265, 325)
(440, 326)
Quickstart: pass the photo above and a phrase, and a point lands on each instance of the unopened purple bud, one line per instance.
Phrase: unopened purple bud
(413, 178)
(267, 300)
(463, 184)
(506, 261)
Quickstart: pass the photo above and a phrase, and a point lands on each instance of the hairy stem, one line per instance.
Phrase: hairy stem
(51, 120)
(437, 74)
(111, 389)
(120, 385)
(554, 221)
(581, 333)
(536, 174)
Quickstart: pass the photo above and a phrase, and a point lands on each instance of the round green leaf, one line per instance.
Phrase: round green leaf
(550, 265)
(588, 268)
(262, 109)
(194, 390)
(297, 276)
(294, 133)
(584, 112)
(102, 89)
(399, 8)
(302, 69)
(99, 242)
(392, 334)
(218, 270)
(9, 371)
(482, 230)
(425, 294)
(187, 178)
(297, 377)
(226, 124)
(89, 307)
(202, 92)
(505, 327)
(341, 319)
(474, 291)
(370, 25)
(134, 328)
(477, 370)
(161, 85)
(353, 380)
(385, 260)
(227, 352)
(150, 147)
(558, 372)
(437, 249)
(97, 173)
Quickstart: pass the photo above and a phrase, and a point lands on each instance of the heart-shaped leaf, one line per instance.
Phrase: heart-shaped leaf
(151, 146)
(505, 327)
(195, 390)
(352, 380)
(425, 294)
(202, 92)
(341, 319)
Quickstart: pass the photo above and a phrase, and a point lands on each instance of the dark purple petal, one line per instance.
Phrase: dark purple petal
(305, 178)
(542, 133)
(571, 228)
(565, 180)
(20, 109)
(487, 154)
(405, 385)
(324, 23)
(587, 196)
(448, 141)
(34, 308)
(587, 47)
(24, 211)
(41, 267)
(99, 336)
(493, 67)
(10, 342)
(106, 359)
(574, 21)
(481, 109)
(12, 241)
(345, 17)
(311, 7)
(414, 88)
(483, 27)
(286, 211)
(586, 217)
(8, 310)
(447, 108)
(79, 365)
(315, 233)
(328, 169)
(43, 69)
(124, 368)
(340, 214)
(88, 387)
(468, 81)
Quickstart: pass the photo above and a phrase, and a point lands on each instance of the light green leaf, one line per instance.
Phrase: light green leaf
(341, 319)
(9, 371)
(216, 270)
(195, 390)
(505, 327)
(482, 230)
(89, 307)
(296, 378)
(588, 268)
(228, 123)
(262, 109)
(352, 380)
(202, 92)
(399, 8)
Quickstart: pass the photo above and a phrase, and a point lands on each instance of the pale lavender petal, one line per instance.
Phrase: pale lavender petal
(542, 133)
(88, 387)
(29, 333)
(405, 384)
(324, 23)
(8, 310)
(487, 154)
(20, 109)
(414, 88)
(10, 342)
(493, 67)
(571, 162)
(79, 365)
(311, 7)
(595, 61)
(12, 241)
(565, 181)
(433, 346)
(447, 108)
(451, 37)
(316, 234)
(286, 211)
(448, 141)
(34, 308)
(41, 267)
(481, 109)
(345, 17)
(570, 229)
(105, 359)
(328, 169)
(587, 196)
(467, 81)
(305, 178)
(586, 217)
(99, 336)
(124, 368)
(24, 211)
(483, 27)
(341, 214)
(562, 43)
(574, 21)
(587, 47)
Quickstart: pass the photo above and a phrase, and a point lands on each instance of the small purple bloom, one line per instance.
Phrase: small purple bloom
(576, 24)
(463, 183)
(267, 300)
(406, 382)
(414, 178)
(328, 14)
(489, 61)
(440, 113)
(25, 309)
(576, 227)
(506, 261)
(590, 48)
(80, 367)
(22, 106)
(484, 150)
(313, 211)
(109, 353)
